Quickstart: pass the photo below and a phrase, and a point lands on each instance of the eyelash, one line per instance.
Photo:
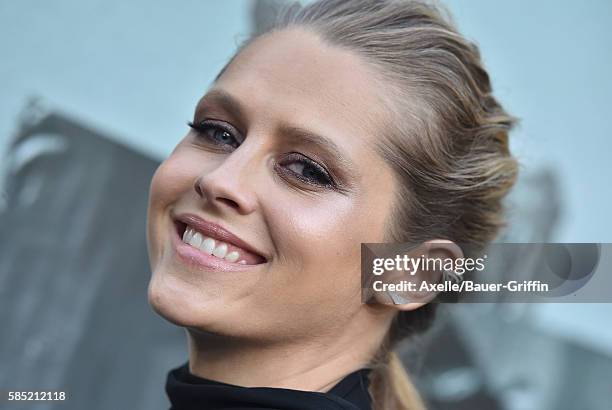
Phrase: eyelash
(202, 128)
(322, 177)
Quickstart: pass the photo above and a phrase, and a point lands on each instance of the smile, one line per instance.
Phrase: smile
(210, 245)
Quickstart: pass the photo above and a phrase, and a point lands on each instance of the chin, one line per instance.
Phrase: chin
(181, 304)
(172, 300)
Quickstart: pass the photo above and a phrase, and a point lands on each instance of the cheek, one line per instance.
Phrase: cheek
(171, 180)
(319, 238)
(334, 228)
(320, 241)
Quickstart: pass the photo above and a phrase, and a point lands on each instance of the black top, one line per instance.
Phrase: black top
(189, 392)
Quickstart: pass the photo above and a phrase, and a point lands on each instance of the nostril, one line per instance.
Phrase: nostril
(220, 190)
(198, 188)
(229, 202)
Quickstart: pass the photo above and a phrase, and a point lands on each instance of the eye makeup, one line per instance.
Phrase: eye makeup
(217, 132)
(307, 170)
(305, 158)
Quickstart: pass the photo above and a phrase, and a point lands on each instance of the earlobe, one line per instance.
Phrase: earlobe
(402, 303)
(397, 298)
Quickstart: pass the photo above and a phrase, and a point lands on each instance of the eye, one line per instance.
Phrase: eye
(216, 132)
(306, 170)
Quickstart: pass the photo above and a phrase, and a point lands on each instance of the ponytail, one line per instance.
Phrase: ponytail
(390, 386)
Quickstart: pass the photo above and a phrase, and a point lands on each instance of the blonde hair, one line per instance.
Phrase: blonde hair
(448, 144)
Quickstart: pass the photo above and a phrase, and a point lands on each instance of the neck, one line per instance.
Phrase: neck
(306, 365)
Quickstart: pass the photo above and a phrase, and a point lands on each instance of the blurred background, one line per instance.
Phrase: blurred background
(94, 94)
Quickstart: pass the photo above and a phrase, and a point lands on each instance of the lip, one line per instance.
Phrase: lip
(215, 231)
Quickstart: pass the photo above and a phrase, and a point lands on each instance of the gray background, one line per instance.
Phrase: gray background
(115, 83)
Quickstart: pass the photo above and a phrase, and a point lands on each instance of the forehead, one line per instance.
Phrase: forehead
(295, 77)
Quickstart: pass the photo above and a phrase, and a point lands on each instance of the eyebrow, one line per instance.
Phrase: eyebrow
(326, 145)
(226, 101)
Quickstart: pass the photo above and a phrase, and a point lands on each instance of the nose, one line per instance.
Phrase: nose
(226, 187)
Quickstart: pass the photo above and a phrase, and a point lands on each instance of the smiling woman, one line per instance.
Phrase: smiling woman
(349, 122)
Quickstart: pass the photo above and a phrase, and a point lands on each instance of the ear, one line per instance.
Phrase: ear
(406, 300)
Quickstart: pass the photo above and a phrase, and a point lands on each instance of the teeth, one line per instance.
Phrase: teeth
(220, 250)
(187, 235)
(232, 256)
(208, 246)
(196, 240)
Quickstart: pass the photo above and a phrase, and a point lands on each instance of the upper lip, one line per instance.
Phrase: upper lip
(216, 231)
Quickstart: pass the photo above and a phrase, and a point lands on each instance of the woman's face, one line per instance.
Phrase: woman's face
(280, 166)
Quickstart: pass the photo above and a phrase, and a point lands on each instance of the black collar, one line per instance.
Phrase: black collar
(189, 392)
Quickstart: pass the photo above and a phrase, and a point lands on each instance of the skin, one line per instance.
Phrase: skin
(295, 321)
